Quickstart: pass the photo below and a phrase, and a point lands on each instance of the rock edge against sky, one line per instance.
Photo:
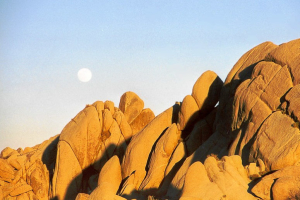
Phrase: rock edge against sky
(233, 140)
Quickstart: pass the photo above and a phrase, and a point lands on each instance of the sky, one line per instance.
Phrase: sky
(155, 48)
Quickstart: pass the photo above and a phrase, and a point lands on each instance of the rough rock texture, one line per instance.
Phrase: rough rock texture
(89, 140)
(24, 174)
(131, 105)
(217, 180)
(233, 140)
(144, 118)
(282, 184)
(140, 146)
(159, 159)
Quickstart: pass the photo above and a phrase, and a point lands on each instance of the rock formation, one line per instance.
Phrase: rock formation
(233, 140)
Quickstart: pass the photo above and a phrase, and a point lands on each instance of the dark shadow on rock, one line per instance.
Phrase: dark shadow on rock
(176, 109)
(214, 91)
(86, 174)
(145, 194)
(152, 150)
(165, 184)
(252, 184)
(257, 180)
(217, 143)
(49, 157)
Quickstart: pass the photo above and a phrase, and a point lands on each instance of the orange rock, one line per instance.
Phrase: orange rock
(124, 126)
(66, 178)
(14, 163)
(139, 148)
(6, 152)
(286, 188)
(6, 176)
(141, 120)
(277, 142)
(188, 113)
(240, 72)
(206, 92)
(286, 53)
(5, 167)
(20, 190)
(82, 196)
(198, 185)
(159, 160)
(39, 181)
(1, 193)
(289, 183)
(107, 122)
(201, 131)
(109, 105)
(109, 181)
(131, 105)
(173, 166)
(24, 196)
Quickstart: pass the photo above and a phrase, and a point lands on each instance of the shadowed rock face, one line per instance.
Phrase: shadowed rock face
(247, 147)
(265, 110)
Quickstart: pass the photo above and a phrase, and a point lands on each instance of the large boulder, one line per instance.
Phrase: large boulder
(24, 175)
(264, 110)
(124, 125)
(87, 141)
(201, 131)
(159, 160)
(198, 185)
(206, 91)
(175, 162)
(282, 184)
(109, 181)
(224, 179)
(66, 181)
(78, 146)
(144, 118)
(131, 105)
(188, 113)
(254, 129)
(140, 147)
(240, 72)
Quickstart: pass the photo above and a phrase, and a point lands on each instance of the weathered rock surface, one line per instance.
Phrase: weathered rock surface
(206, 91)
(140, 146)
(159, 159)
(96, 134)
(144, 118)
(282, 184)
(131, 105)
(23, 174)
(217, 180)
(237, 140)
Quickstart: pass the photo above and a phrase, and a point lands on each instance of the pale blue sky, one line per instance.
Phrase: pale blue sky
(156, 49)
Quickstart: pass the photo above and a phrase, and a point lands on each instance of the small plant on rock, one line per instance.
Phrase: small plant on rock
(213, 155)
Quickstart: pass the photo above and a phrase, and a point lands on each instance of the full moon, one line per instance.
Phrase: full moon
(84, 75)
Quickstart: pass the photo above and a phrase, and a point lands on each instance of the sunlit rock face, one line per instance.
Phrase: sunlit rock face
(233, 140)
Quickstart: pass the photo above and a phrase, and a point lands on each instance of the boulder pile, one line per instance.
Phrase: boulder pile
(233, 140)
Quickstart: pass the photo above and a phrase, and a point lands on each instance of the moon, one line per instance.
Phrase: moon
(84, 75)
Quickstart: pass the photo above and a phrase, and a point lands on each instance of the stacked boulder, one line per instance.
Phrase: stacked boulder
(233, 140)
(24, 173)
(89, 140)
